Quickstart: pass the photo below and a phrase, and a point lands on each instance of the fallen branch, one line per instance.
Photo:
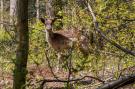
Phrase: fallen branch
(71, 80)
(119, 83)
(78, 80)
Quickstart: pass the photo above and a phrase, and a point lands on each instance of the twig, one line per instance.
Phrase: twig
(6, 23)
(13, 38)
(49, 64)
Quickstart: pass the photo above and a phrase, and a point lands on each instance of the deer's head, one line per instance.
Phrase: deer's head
(48, 22)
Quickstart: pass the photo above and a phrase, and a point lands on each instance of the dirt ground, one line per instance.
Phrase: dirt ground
(37, 73)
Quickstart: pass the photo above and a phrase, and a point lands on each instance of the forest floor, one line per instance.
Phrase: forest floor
(37, 73)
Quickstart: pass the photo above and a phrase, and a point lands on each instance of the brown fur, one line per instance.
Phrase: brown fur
(63, 39)
(59, 42)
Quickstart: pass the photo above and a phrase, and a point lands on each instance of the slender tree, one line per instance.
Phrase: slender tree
(1, 11)
(37, 9)
(20, 70)
(13, 10)
(49, 8)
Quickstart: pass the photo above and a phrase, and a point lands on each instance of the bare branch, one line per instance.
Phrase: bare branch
(71, 80)
(49, 64)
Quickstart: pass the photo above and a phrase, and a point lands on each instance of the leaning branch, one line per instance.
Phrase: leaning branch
(102, 34)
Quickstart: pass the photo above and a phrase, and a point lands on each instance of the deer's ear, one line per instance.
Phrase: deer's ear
(42, 20)
(54, 19)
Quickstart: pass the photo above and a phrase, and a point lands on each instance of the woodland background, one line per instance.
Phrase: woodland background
(106, 61)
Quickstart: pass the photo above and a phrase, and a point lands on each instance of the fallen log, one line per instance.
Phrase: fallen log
(119, 83)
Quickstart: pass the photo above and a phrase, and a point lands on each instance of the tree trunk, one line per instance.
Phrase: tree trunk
(1, 12)
(20, 70)
(37, 9)
(13, 10)
(49, 9)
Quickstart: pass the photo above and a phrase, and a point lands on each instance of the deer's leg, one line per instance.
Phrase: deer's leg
(84, 50)
(58, 64)
(84, 47)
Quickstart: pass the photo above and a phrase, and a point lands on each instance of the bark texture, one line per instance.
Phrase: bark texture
(20, 70)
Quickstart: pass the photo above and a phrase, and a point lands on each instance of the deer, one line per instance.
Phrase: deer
(64, 39)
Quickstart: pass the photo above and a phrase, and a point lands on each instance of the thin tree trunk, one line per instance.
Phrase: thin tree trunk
(49, 9)
(13, 10)
(1, 12)
(20, 70)
(37, 9)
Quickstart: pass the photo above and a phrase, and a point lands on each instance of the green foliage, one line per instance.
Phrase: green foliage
(4, 35)
(116, 19)
(111, 15)
(36, 51)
